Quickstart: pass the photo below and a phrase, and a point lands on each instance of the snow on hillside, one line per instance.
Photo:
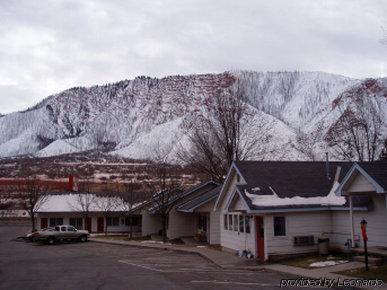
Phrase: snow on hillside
(132, 117)
(294, 97)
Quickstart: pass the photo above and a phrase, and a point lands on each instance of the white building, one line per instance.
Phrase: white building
(95, 213)
(191, 214)
(282, 208)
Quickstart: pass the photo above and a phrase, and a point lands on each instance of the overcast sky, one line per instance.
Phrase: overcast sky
(48, 46)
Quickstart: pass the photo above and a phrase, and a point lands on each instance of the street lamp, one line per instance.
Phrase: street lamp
(363, 226)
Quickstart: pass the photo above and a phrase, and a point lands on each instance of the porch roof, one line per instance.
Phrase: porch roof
(200, 200)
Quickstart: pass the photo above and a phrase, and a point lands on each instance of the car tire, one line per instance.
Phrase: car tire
(50, 240)
(83, 239)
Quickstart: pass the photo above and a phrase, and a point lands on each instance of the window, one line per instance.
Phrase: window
(279, 226)
(71, 229)
(235, 222)
(112, 221)
(136, 220)
(225, 222)
(230, 224)
(56, 222)
(247, 224)
(241, 224)
(77, 223)
(63, 229)
(202, 223)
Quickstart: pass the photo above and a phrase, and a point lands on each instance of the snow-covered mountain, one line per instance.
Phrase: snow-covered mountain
(134, 117)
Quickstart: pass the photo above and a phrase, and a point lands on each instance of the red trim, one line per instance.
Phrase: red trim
(43, 223)
(260, 236)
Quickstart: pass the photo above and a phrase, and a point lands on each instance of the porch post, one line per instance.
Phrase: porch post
(351, 220)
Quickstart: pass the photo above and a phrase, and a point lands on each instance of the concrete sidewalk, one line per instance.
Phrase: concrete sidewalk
(220, 258)
(227, 260)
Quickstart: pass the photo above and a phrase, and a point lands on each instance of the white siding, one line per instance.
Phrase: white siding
(297, 224)
(151, 223)
(376, 227)
(180, 224)
(230, 239)
(215, 227)
(234, 240)
(360, 184)
(214, 221)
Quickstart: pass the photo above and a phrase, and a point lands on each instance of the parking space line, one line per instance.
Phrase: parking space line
(140, 266)
(185, 270)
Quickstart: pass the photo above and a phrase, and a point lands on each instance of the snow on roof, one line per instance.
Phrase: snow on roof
(73, 203)
(275, 200)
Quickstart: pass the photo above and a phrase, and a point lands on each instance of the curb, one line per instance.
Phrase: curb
(186, 251)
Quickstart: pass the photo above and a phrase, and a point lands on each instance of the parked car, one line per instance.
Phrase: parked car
(31, 236)
(60, 234)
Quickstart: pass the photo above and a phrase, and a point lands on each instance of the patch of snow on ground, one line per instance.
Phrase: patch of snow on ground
(327, 263)
(275, 200)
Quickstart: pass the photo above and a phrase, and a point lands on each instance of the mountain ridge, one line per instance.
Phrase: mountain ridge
(126, 116)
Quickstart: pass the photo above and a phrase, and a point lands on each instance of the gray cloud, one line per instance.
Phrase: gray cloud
(48, 46)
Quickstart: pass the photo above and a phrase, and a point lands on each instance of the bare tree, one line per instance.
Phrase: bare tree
(129, 199)
(165, 189)
(228, 130)
(306, 143)
(107, 205)
(33, 194)
(84, 202)
(383, 154)
(357, 134)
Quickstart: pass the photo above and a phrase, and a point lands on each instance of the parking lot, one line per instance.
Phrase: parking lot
(25, 265)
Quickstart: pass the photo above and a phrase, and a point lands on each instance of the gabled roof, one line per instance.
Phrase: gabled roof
(200, 200)
(180, 197)
(290, 178)
(290, 185)
(374, 172)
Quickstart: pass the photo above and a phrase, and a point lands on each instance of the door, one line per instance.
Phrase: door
(88, 224)
(260, 235)
(43, 223)
(100, 224)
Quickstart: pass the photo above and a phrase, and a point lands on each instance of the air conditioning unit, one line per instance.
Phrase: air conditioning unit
(303, 240)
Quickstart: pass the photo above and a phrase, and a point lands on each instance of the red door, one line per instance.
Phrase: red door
(88, 224)
(100, 224)
(259, 229)
(43, 223)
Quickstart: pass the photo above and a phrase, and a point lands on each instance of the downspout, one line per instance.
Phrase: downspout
(351, 221)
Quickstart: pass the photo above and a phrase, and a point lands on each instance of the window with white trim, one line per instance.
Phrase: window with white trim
(112, 221)
(230, 223)
(279, 223)
(236, 222)
(241, 224)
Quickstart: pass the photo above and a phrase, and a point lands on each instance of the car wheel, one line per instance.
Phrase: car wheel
(83, 239)
(51, 240)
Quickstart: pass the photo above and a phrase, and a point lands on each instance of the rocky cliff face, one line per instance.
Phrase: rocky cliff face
(131, 117)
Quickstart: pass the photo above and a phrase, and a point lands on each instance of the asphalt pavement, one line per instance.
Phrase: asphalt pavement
(25, 265)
